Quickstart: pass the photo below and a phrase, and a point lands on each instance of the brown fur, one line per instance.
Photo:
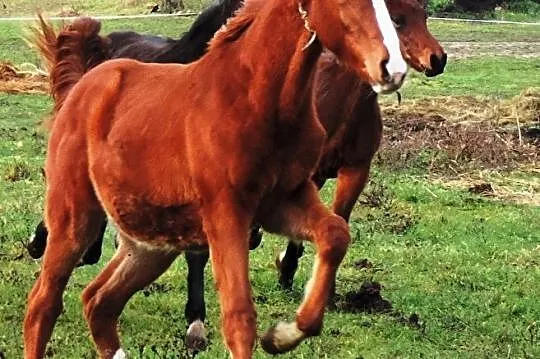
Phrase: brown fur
(240, 148)
(348, 110)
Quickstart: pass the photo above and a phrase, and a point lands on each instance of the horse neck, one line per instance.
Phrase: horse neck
(270, 54)
(192, 44)
(338, 92)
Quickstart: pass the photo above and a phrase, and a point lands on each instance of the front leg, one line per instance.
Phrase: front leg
(302, 215)
(227, 225)
(350, 183)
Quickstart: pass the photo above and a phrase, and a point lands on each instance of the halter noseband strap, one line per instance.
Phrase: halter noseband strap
(304, 16)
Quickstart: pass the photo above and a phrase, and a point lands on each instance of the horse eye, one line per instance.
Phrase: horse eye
(398, 21)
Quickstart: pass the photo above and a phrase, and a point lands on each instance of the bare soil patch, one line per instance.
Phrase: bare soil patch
(456, 134)
(467, 142)
(367, 299)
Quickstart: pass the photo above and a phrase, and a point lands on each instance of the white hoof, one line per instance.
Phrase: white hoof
(196, 336)
(120, 354)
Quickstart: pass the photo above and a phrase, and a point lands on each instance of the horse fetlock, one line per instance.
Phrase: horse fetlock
(282, 338)
(196, 339)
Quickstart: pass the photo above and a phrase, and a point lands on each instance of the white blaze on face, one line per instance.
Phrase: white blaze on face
(396, 64)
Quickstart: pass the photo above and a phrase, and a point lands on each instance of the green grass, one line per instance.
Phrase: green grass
(466, 31)
(13, 48)
(94, 7)
(467, 266)
(494, 76)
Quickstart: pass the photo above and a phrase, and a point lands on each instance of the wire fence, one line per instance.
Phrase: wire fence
(194, 13)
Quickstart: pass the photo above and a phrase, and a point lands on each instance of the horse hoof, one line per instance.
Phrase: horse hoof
(120, 354)
(255, 238)
(282, 338)
(36, 247)
(196, 340)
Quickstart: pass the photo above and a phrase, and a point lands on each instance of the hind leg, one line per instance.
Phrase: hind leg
(93, 253)
(303, 215)
(195, 311)
(133, 267)
(68, 239)
(287, 263)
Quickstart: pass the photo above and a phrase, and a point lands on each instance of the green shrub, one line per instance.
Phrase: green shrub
(484, 8)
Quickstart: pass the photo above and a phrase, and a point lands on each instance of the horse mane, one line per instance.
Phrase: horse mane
(236, 25)
(70, 53)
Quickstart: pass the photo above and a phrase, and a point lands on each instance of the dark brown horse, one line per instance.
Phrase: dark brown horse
(348, 109)
(239, 149)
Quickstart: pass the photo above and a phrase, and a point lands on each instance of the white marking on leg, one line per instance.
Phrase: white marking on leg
(286, 334)
(281, 256)
(120, 354)
(196, 328)
(396, 64)
(311, 281)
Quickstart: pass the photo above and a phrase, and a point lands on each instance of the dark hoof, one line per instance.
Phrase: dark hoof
(37, 243)
(255, 238)
(36, 246)
(196, 340)
(282, 338)
(35, 249)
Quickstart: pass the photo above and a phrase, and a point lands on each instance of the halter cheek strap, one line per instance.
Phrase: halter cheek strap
(304, 16)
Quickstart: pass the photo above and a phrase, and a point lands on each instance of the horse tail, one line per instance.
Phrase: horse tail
(70, 53)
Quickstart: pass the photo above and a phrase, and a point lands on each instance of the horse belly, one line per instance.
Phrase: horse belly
(177, 227)
(153, 204)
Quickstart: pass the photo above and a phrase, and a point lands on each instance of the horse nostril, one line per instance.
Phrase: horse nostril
(437, 64)
(444, 59)
(385, 75)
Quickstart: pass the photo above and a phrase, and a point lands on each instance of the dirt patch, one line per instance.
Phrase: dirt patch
(24, 79)
(462, 50)
(482, 188)
(367, 299)
(363, 264)
(524, 108)
(485, 134)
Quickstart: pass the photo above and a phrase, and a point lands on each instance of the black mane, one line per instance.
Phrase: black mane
(190, 47)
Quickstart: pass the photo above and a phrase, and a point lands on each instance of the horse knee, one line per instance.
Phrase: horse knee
(240, 326)
(45, 305)
(336, 239)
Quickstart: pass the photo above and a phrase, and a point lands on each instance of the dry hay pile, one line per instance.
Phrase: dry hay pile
(24, 79)
(458, 134)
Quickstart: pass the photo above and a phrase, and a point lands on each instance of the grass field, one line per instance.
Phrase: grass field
(461, 270)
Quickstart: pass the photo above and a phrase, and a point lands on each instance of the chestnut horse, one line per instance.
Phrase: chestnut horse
(191, 46)
(422, 52)
(348, 109)
(240, 149)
